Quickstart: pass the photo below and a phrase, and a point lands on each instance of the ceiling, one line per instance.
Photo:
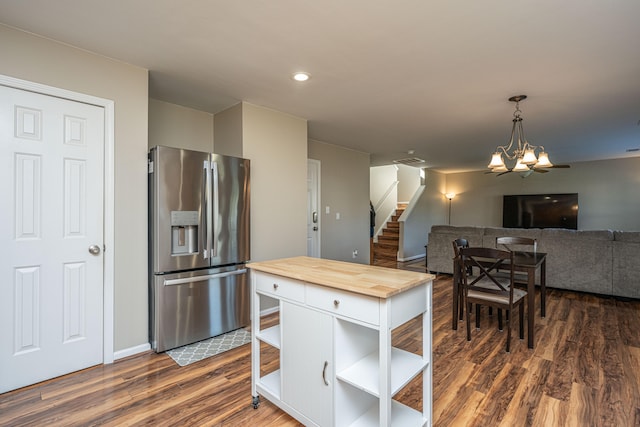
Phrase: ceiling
(387, 76)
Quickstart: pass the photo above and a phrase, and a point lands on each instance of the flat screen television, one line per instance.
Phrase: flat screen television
(540, 211)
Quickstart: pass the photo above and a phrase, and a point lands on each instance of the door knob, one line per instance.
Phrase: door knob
(94, 249)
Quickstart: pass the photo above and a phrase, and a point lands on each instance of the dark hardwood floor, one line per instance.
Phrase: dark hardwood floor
(583, 371)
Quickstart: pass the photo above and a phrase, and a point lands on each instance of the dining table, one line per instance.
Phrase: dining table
(526, 262)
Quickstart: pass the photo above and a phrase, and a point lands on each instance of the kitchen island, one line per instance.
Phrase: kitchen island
(337, 366)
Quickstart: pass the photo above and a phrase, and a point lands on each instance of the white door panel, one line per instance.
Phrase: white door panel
(307, 370)
(51, 287)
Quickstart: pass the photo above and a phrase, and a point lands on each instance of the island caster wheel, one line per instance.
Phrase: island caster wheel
(255, 402)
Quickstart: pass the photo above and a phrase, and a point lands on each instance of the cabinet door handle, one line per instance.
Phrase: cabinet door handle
(275, 286)
(336, 303)
(324, 373)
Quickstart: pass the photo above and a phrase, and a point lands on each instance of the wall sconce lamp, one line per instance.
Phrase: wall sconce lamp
(450, 196)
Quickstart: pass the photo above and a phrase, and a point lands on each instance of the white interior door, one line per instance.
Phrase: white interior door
(313, 204)
(51, 235)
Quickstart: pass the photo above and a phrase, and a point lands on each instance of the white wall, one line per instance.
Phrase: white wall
(608, 193)
(383, 192)
(176, 126)
(409, 181)
(345, 190)
(29, 57)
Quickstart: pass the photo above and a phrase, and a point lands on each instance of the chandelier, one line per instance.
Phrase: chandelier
(527, 157)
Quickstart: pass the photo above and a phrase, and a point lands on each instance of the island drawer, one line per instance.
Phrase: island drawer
(348, 304)
(279, 287)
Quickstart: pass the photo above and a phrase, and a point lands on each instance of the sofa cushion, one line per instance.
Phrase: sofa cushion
(626, 253)
(479, 231)
(627, 236)
(440, 249)
(563, 233)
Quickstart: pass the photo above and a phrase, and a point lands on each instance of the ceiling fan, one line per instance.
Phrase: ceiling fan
(526, 173)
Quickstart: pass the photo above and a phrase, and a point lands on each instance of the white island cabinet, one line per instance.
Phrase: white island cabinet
(337, 366)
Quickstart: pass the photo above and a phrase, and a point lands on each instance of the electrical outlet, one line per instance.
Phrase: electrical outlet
(355, 253)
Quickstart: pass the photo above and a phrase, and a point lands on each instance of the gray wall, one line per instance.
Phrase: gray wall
(180, 127)
(276, 144)
(345, 189)
(426, 210)
(29, 57)
(228, 131)
(608, 193)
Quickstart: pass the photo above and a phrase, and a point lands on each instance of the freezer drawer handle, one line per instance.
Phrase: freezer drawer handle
(171, 282)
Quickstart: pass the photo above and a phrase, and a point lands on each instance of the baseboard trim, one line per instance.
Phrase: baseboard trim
(412, 258)
(120, 354)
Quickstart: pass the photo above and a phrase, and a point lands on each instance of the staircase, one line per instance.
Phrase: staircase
(386, 249)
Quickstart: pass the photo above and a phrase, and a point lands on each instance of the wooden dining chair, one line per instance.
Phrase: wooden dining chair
(517, 244)
(457, 281)
(487, 289)
(457, 285)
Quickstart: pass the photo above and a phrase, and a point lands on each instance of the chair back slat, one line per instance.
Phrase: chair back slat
(488, 261)
(509, 242)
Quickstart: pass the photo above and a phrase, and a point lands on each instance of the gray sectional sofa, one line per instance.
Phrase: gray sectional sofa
(598, 261)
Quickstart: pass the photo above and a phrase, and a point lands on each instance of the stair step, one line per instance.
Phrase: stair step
(386, 254)
(388, 239)
(387, 246)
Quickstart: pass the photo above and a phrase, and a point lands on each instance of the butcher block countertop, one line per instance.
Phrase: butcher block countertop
(363, 279)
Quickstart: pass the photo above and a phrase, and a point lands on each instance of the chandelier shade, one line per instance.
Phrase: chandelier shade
(543, 161)
(527, 156)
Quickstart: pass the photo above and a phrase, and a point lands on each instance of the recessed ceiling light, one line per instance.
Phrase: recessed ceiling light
(301, 76)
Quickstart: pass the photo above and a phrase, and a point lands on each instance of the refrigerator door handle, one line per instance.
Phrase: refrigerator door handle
(171, 282)
(214, 196)
(207, 210)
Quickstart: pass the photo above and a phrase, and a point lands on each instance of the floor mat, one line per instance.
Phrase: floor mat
(195, 352)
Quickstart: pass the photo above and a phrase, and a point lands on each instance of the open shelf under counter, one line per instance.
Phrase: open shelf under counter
(401, 415)
(270, 336)
(271, 383)
(365, 374)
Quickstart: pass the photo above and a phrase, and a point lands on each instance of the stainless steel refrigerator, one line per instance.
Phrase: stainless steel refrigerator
(198, 246)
